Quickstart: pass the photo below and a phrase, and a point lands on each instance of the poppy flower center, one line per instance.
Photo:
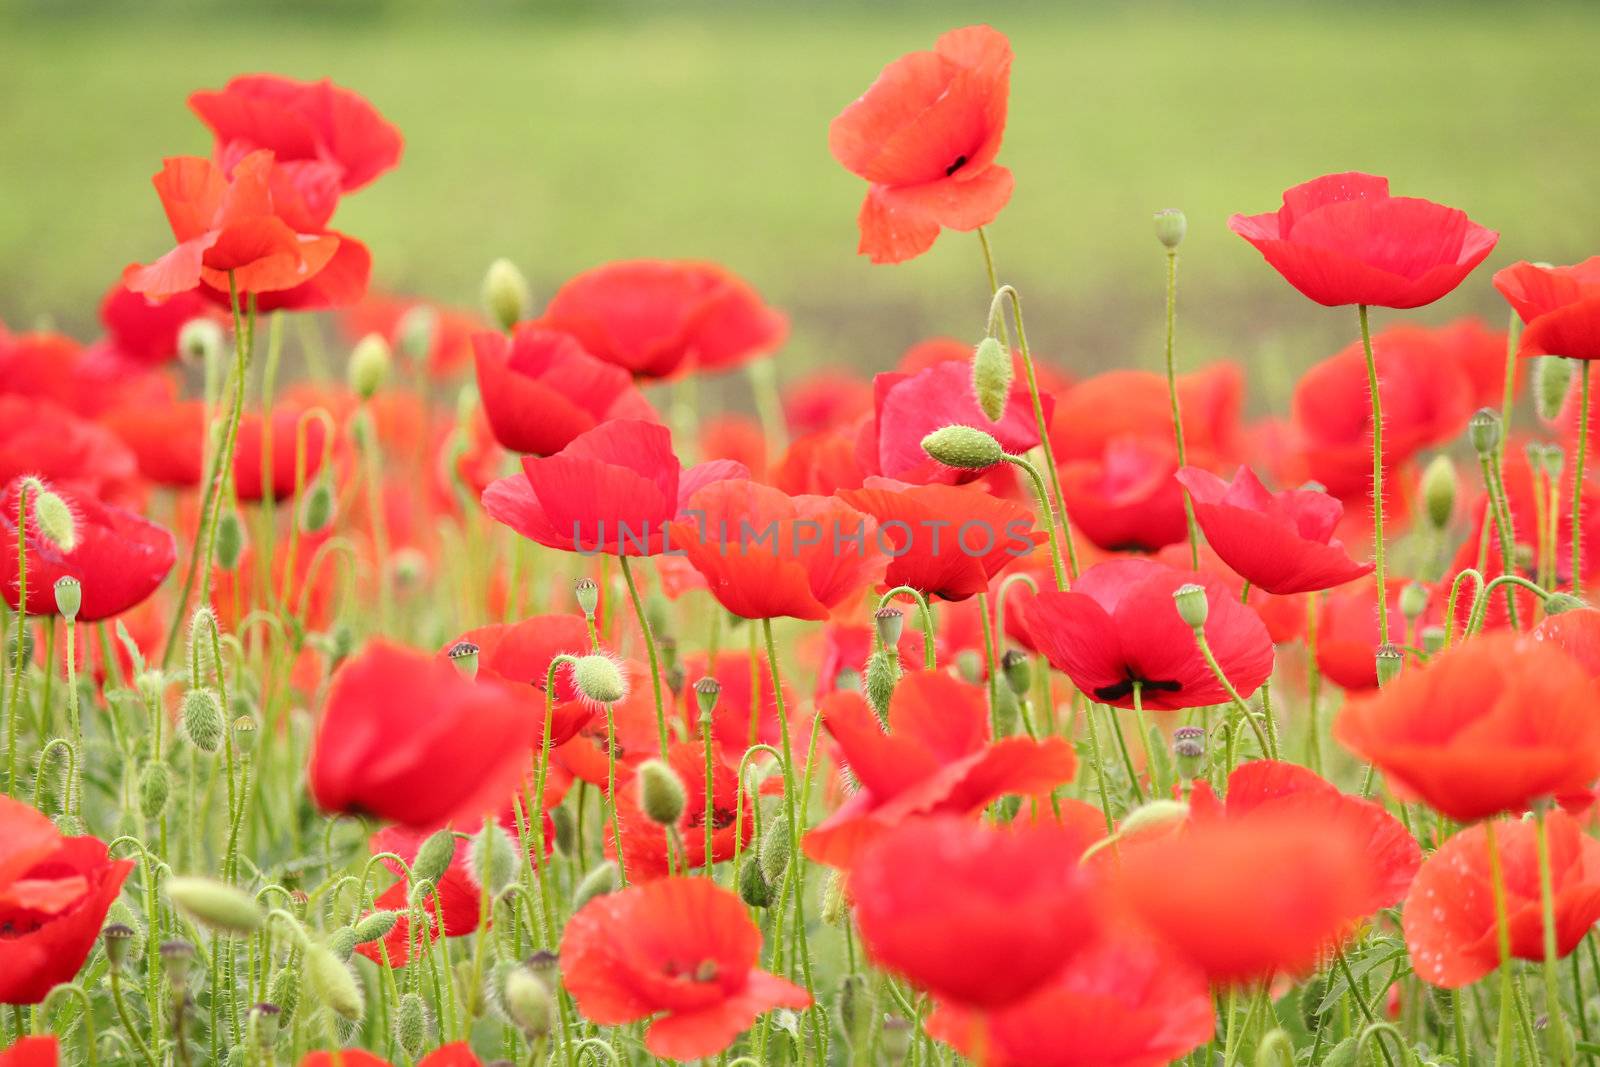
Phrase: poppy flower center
(1120, 690)
(704, 971)
(721, 818)
(960, 162)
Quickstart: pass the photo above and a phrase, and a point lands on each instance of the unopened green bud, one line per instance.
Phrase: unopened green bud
(369, 365)
(506, 297)
(1171, 226)
(342, 942)
(1439, 491)
(411, 1025)
(202, 719)
(969, 666)
(753, 887)
(1389, 660)
(1552, 377)
(1413, 600)
(604, 879)
(375, 927)
(774, 850)
(883, 671)
(463, 656)
(284, 991)
(230, 540)
(214, 904)
(1007, 710)
(317, 506)
(155, 784)
(55, 521)
(200, 340)
(1018, 671)
(1432, 638)
(963, 447)
(333, 983)
(890, 623)
(587, 591)
(493, 859)
(849, 1004)
(69, 597)
(1559, 603)
(528, 1002)
(835, 902)
(1483, 430)
(599, 680)
(416, 330)
(566, 829)
(661, 793)
(991, 377)
(1193, 608)
(433, 857)
(1154, 814)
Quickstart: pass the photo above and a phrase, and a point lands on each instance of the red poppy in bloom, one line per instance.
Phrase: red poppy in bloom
(1489, 726)
(1342, 239)
(612, 489)
(438, 336)
(31, 1052)
(249, 464)
(820, 464)
(936, 759)
(408, 738)
(1347, 633)
(63, 449)
(945, 541)
(456, 897)
(970, 913)
(1125, 1000)
(54, 892)
(118, 558)
(908, 407)
(144, 332)
(1121, 403)
(49, 366)
(1449, 915)
(1126, 498)
(317, 127)
(649, 853)
(455, 1054)
(1119, 627)
(925, 135)
(825, 400)
(1245, 899)
(738, 438)
(679, 951)
(765, 554)
(659, 318)
(519, 654)
(1480, 352)
(1577, 633)
(1560, 305)
(735, 725)
(540, 389)
(1282, 542)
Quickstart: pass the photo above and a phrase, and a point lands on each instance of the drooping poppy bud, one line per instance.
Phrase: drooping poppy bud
(202, 719)
(411, 1025)
(333, 983)
(317, 506)
(375, 927)
(493, 859)
(963, 447)
(230, 540)
(54, 519)
(1552, 376)
(599, 680)
(882, 674)
(214, 904)
(991, 377)
(1439, 491)
(155, 783)
(200, 340)
(604, 879)
(753, 887)
(434, 856)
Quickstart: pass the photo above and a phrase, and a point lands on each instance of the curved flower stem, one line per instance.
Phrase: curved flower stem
(1172, 396)
(1361, 1000)
(126, 1019)
(929, 655)
(611, 792)
(1127, 758)
(1560, 1038)
(1577, 480)
(1480, 603)
(1268, 747)
(1377, 477)
(1450, 601)
(650, 648)
(1050, 527)
(1490, 467)
(19, 638)
(54, 745)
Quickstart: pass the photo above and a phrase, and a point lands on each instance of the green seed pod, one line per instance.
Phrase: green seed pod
(604, 879)
(316, 506)
(119, 940)
(587, 592)
(1171, 226)
(883, 672)
(1192, 606)
(753, 887)
(506, 297)
(991, 377)
(284, 991)
(706, 693)
(566, 829)
(433, 857)
(1483, 430)
(375, 927)
(1018, 671)
(1552, 378)
(369, 365)
(890, 624)
(155, 784)
(599, 679)
(202, 719)
(528, 1002)
(1413, 600)
(342, 942)
(963, 447)
(333, 983)
(1433, 637)
(200, 340)
(464, 657)
(1189, 751)
(1439, 491)
(1389, 661)
(661, 793)
(774, 850)
(493, 858)
(69, 597)
(216, 905)
(412, 1025)
(230, 540)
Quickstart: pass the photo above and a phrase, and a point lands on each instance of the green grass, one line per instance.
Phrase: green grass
(564, 141)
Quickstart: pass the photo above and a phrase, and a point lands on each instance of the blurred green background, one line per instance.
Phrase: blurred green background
(562, 135)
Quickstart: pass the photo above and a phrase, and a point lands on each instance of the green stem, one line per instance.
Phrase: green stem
(1268, 746)
(650, 648)
(924, 612)
(1561, 1040)
(20, 639)
(1172, 396)
(1050, 528)
(1377, 477)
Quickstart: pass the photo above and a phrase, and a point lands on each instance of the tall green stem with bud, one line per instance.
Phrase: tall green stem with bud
(1170, 227)
(19, 638)
(650, 650)
(1377, 476)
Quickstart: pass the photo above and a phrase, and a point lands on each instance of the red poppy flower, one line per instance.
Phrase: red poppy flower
(944, 541)
(54, 892)
(51, 367)
(318, 127)
(408, 738)
(65, 450)
(144, 332)
(974, 914)
(1125, 1000)
(519, 654)
(540, 389)
(765, 554)
(1282, 542)
(1480, 352)
(457, 897)
(612, 489)
(1347, 633)
(1249, 898)
(1560, 305)
(679, 951)
(825, 400)
(1577, 633)
(455, 1054)
(1121, 403)
(819, 464)
(936, 759)
(1342, 239)
(925, 135)
(1449, 915)
(1119, 626)
(735, 724)
(249, 465)
(738, 438)
(1489, 726)
(31, 1052)
(908, 407)
(649, 853)
(660, 318)
(448, 331)
(1126, 498)
(119, 558)
(166, 440)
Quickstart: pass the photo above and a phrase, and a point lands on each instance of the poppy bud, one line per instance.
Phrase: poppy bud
(753, 887)
(421, 890)
(566, 829)
(342, 942)
(661, 793)
(528, 1002)
(213, 904)
(588, 593)
(1192, 605)
(963, 447)
(1433, 637)
(263, 1021)
(284, 991)
(1439, 491)
(1189, 751)
(69, 597)
(415, 331)
(774, 850)
(463, 656)
(333, 983)
(849, 1001)
(230, 540)
(1018, 670)
(1558, 603)
(369, 365)
(835, 904)
(597, 883)
(505, 294)
(1156, 814)
(244, 732)
(154, 785)
(1413, 600)
(411, 1025)
(433, 857)
(375, 927)
(991, 377)
(1552, 461)
(1552, 376)
(848, 678)
(599, 680)
(493, 859)
(883, 671)
(177, 962)
(706, 692)
(969, 666)
(55, 521)
(117, 939)
(317, 507)
(895, 1038)
(202, 719)
(1483, 430)
(1171, 226)
(1390, 659)
(200, 340)
(890, 623)
(1006, 711)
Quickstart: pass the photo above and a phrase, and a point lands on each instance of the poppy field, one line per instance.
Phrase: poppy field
(394, 682)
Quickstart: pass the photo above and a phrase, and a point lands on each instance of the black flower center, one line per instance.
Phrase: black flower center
(960, 162)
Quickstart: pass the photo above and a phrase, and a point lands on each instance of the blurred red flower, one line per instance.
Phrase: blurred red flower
(646, 848)
(819, 464)
(65, 450)
(1577, 633)
(825, 400)
(925, 135)
(1560, 305)
(519, 655)
(143, 333)
(1121, 403)
(1347, 633)
(439, 336)
(454, 1054)
(735, 725)
(32, 1052)
(1127, 498)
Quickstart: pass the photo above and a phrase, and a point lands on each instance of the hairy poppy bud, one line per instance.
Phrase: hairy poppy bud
(264, 1021)
(1390, 659)
(1171, 226)
(1189, 751)
(375, 927)
(1433, 637)
(155, 783)
(342, 942)
(1483, 430)
(433, 857)
(774, 850)
(464, 656)
(415, 331)
(505, 294)
(317, 506)
(1154, 814)
(963, 447)
(1552, 377)
(753, 887)
(528, 1002)
(230, 540)
(202, 719)
(333, 983)
(835, 904)
(566, 829)
(1007, 710)
(991, 377)
(890, 623)
(588, 593)
(1413, 600)
(213, 904)
(604, 879)
(118, 939)
(369, 365)
(1193, 608)
(284, 991)
(493, 859)
(200, 340)
(411, 1025)
(599, 680)
(661, 793)
(55, 520)
(969, 666)
(883, 671)
(1018, 670)
(1558, 603)
(1439, 491)
(848, 678)
(850, 1005)
(177, 962)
